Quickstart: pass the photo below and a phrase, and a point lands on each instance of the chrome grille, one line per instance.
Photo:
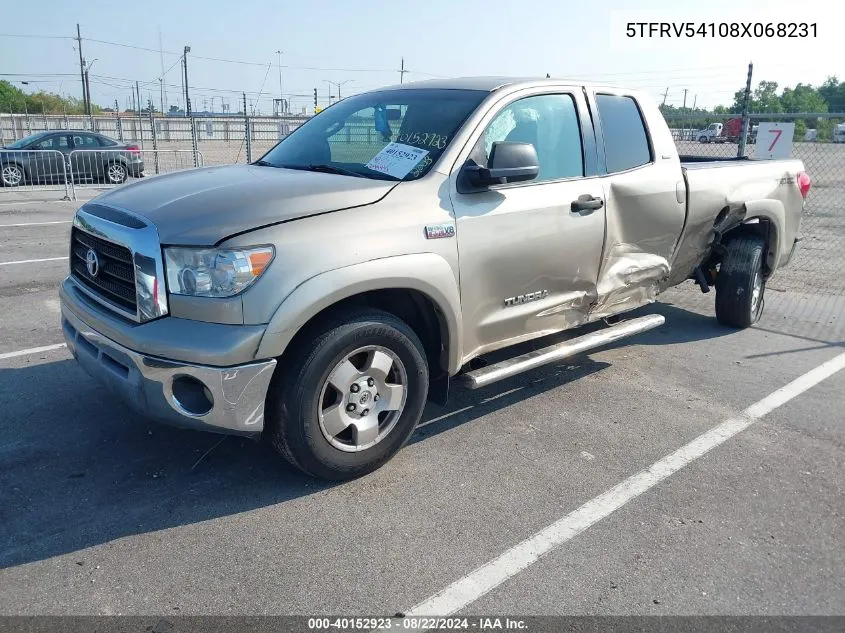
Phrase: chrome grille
(115, 279)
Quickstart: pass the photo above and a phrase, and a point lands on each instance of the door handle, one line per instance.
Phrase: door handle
(587, 204)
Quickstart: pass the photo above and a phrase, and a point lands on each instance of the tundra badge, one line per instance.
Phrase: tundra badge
(528, 296)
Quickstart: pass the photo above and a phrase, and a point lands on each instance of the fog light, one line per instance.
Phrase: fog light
(192, 395)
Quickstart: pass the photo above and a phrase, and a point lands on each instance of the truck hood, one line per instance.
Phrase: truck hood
(205, 206)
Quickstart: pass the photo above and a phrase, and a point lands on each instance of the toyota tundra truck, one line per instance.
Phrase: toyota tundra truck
(320, 296)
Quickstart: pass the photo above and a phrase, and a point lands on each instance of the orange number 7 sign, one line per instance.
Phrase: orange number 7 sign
(777, 134)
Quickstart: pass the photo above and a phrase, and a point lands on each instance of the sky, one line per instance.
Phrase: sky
(361, 45)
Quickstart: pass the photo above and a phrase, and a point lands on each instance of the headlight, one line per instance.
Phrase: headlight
(214, 272)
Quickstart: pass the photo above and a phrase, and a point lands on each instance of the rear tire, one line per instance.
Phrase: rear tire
(116, 173)
(740, 284)
(366, 360)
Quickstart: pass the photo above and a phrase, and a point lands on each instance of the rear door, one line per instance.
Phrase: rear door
(528, 260)
(645, 201)
(86, 160)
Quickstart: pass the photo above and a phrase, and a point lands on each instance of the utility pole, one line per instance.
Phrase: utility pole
(140, 124)
(740, 152)
(185, 69)
(315, 101)
(683, 111)
(162, 89)
(694, 101)
(402, 72)
(82, 73)
(118, 124)
(247, 133)
(281, 96)
(89, 110)
(185, 52)
(665, 94)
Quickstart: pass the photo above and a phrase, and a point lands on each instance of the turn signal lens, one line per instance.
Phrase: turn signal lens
(259, 260)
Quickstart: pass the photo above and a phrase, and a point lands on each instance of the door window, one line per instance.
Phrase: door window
(54, 143)
(550, 124)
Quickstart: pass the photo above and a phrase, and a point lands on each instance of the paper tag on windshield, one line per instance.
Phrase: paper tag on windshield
(397, 159)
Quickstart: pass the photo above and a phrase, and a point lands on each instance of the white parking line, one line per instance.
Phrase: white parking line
(490, 575)
(32, 350)
(36, 223)
(33, 261)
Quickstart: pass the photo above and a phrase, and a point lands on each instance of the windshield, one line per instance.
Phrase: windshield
(390, 134)
(25, 141)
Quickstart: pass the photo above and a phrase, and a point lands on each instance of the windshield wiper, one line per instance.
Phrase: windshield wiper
(263, 163)
(331, 169)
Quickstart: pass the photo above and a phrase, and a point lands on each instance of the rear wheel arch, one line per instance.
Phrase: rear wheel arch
(764, 218)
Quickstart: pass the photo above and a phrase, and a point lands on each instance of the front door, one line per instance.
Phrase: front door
(529, 259)
(47, 160)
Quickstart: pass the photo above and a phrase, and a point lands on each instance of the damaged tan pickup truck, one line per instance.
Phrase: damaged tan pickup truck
(319, 296)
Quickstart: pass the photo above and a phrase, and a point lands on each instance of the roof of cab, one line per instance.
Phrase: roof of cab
(487, 84)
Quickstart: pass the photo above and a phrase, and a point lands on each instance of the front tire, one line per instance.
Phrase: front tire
(741, 284)
(347, 397)
(12, 175)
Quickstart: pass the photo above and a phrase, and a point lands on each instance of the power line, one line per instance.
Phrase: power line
(38, 37)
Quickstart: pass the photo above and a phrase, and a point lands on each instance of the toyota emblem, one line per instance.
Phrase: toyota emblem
(92, 262)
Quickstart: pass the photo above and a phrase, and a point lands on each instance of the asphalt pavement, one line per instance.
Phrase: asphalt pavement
(103, 512)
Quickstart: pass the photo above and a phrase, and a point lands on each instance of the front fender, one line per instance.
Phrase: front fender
(425, 272)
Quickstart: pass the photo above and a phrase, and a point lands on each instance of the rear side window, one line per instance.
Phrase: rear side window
(625, 138)
(85, 141)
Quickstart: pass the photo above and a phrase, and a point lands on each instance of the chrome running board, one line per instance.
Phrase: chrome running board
(537, 358)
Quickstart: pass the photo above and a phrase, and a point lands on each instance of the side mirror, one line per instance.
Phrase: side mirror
(509, 162)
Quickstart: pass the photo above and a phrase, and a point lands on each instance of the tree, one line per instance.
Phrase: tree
(833, 92)
(802, 98)
(764, 98)
(13, 99)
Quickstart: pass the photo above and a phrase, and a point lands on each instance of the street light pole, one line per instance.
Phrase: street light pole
(338, 84)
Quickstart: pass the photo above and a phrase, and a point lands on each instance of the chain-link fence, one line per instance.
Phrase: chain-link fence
(222, 140)
(819, 142)
(166, 144)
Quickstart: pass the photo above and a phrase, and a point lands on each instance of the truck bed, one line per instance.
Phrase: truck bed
(712, 189)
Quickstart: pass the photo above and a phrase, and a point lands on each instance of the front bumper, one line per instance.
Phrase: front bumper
(220, 399)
